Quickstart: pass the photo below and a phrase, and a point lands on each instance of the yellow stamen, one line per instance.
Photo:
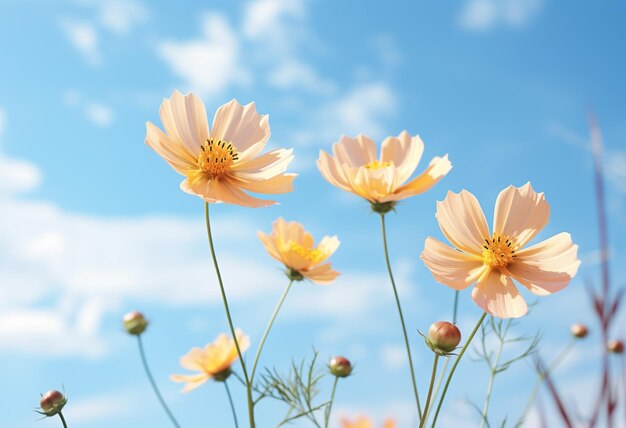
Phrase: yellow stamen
(216, 157)
(498, 251)
(378, 165)
(314, 255)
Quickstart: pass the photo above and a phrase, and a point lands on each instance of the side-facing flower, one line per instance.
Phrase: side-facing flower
(492, 260)
(212, 362)
(364, 422)
(222, 163)
(354, 167)
(293, 246)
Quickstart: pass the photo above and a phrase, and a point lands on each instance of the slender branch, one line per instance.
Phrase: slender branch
(430, 391)
(230, 321)
(492, 379)
(63, 419)
(232, 405)
(406, 338)
(555, 396)
(267, 330)
(330, 403)
(454, 366)
(155, 388)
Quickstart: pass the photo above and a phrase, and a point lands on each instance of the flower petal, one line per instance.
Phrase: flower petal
(281, 183)
(191, 381)
(375, 185)
(462, 221)
(269, 242)
(520, 213)
(355, 152)
(498, 296)
(333, 172)
(173, 152)
(449, 266)
(266, 165)
(322, 274)
(548, 266)
(437, 169)
(328, 245)
(185, 122)
(404, 151)
(242, 126)
(221, 190)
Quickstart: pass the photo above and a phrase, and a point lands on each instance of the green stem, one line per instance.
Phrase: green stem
(330, 403)
(456, 306)
(232, 405)
(267, 330)
(63, 419)
(456, 363)
(155, 388)
(406, 338)
(230, 321)
(492, 379)
(430, 391)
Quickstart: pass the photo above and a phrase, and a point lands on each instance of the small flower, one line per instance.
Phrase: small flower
(52, 402)
(364, 422)
(491, 260)
(443, 337)
(219, 165)
(293, 246)
(135, 323)
(615, 346)
(579, 331)
(340, 366)
(381, 180)
(213, 362)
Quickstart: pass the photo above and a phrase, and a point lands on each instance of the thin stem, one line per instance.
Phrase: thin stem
(456, 306)
(230, 321)
(330, 403)
(456, 363)
(406, 338)
(492, 379)
(155, 388)
(430, 391)
(63, 419)
(267, 330)
(232, 405)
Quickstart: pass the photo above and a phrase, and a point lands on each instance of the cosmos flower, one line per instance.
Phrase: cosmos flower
(356, 168)
(293, 246)
(223, 163)
(492, 260)
(363, 422)
(212, 362)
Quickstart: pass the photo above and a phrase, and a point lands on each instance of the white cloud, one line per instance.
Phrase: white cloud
(211, 63)
(100, 408)
(265, 19)
(84, 37)
(120, 16)
(293, 74)
(18, 176)
(483, 15)
(99, 114)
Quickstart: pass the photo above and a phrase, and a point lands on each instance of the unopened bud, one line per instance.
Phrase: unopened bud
(52, 402)
(443, 337)
(135, 323)
(579, 330)
(340, 366)
(615, 346)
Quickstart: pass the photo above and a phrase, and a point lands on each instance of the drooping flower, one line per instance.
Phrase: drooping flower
(364, 422)
(492, 260)
(293, 246)
(212, 362)
(223, 163)
(354, 167)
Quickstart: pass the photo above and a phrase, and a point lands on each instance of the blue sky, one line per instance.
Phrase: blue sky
(94, 225)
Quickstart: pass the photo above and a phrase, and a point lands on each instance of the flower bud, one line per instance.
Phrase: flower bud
(135, 323)
(340, 366)
(615, 346)
(443, 337)
(579, 331)
(52, 402)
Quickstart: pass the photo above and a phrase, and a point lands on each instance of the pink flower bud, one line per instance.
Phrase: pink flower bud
(52, 402)
(340, 366)
(135, 323)
(579, 330)
(443, 337)
(615, 346)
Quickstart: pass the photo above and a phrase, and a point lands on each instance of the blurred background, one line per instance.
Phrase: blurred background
(93, 224)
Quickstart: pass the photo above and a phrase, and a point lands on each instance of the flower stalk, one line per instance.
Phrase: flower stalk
(430, 391)
(232, 405)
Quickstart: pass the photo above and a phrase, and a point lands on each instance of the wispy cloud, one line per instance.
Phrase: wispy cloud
(100, 408)
(121, 16)
(84, 38)
(99, 114)
(484, 15)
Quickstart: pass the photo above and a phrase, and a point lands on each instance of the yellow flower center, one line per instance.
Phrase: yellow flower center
(378, 165)
(216, 157)
(498, 251)
(314, 255)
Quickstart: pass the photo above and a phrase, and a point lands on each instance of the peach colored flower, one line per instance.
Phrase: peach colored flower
(363, 422)
(293, 246)
(355, 167)
(219, 165)
(491, 260)
(213, 362)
